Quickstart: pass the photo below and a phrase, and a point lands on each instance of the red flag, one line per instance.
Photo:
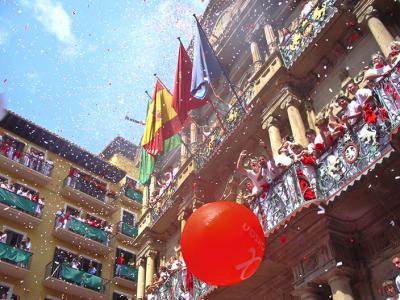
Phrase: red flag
(183, 101)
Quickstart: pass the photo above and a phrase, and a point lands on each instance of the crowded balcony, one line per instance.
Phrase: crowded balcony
(67, 279)
(30, 165)
(304, 29)
(90, 234)
(125, 232)
(89, 192)
(14, 261)
(20, 205)
(174, 284)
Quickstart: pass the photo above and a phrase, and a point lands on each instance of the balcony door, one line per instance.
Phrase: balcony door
(128, 218)
(13, 238)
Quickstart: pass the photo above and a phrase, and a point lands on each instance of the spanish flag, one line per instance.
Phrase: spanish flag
(162, 121)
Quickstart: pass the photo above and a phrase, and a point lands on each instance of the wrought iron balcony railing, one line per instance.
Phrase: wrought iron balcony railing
(308, 28)
(133, 194)
(64, 272)
(175, 287)
(15, 256)
(125, 228)
(127, 272)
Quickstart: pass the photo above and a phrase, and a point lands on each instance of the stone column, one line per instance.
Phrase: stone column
(256, 56)
(141, 277)
(153, 183)
(310, 115)
(378, 30)
(274, 134)
(270, 38)
(150, 266)
(145, 199)
(296, 123)
(340, 287)
(184, 151)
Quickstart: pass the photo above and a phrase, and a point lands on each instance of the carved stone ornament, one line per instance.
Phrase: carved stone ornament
(223, 21)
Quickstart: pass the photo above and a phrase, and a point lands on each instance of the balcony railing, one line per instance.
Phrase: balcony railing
(89, 196)
(20, 203)
(133, 195)
(126, 229)
(307, 30)
(64, 278)
(86, 231)
(128, 272)
(175, 287)
(164, 202)
(27, 159)
(16, 256)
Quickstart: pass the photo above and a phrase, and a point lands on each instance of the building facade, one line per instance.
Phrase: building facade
(289, 62)
(66, 216)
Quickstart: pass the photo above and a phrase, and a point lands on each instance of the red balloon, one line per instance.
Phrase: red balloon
(223, 243)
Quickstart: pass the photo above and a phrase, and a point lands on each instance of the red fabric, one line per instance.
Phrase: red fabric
(35, 197)
(308, 160)
(189, 282)
(319, 147)
(369, 114)
(391, 91)
(182, 100)
(305, 186)
(383, 113)
(120, 260)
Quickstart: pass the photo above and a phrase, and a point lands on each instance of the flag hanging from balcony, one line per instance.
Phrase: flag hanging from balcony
(162, 121)
(183, 101)
(205, 64)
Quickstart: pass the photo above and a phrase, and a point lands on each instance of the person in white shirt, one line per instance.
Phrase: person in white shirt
(20, 191)
(28, 245)
(3, 237)
(352, 111)
(396, 263)
(389, 290)
(361, 96)
(75, 264)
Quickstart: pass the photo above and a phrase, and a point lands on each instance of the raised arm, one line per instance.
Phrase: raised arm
(239, 164)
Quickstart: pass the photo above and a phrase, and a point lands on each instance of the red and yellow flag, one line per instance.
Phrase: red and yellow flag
(162, 121)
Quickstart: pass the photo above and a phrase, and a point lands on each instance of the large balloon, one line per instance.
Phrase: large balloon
(222, 243)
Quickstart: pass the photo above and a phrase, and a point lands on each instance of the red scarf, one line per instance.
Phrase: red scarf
(369, 114)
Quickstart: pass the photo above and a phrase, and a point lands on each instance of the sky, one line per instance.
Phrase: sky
(78, 68)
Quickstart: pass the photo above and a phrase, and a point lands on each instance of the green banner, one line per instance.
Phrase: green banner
(134, 195)
(17, 201)
(82, 278)
(14, 255)
(129, 230)
(129, 272)
(87, 231)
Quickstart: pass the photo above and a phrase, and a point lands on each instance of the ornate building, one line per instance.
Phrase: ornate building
(85, 219)
(288, 61)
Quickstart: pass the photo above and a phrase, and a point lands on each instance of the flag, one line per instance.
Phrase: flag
(147, 162)
(162, 121)
(205, 64)
(183, 101)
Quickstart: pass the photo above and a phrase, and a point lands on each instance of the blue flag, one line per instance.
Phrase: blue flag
(205, 64)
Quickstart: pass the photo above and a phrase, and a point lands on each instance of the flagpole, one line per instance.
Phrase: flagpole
(212, 104)
(220, 65)
(180, 136)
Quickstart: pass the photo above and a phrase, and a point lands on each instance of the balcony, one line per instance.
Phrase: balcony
(127, 277)
(126, 233)
(14, 262)
(295, 43)
(20, 164)
(131, 197)
(64, 279)
(83, 236)
(18, 209)
(175, 287)
(91, 199)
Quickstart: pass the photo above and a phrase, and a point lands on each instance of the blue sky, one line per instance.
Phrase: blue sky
(78, 67)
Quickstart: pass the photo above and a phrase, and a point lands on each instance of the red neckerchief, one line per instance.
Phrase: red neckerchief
(379, 66)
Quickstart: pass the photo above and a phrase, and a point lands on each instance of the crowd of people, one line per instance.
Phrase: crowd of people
(174, 265)
(34, 160)
(25, 243)
(162, 185)
(63, 218)
(372, 106)
(8, 185)
(391, 287)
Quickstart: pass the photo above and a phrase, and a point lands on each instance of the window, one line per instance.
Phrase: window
(128, 218)
(72, 211)
(13, 238)
(86, 263)
(130, 258)
(4, 291)
(17, 145)
(130, 182)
